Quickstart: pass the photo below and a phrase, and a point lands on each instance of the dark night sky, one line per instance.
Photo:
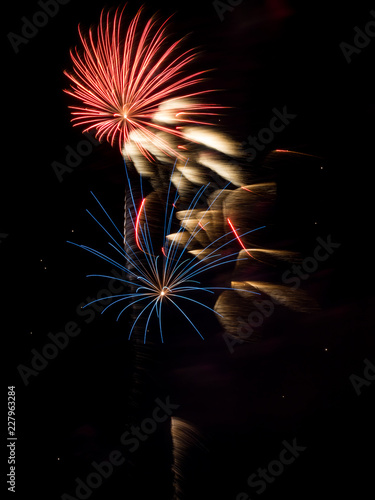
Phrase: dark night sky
(265, 54)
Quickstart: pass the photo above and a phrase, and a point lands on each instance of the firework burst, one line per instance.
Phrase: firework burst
(125, 82)
(169, 275)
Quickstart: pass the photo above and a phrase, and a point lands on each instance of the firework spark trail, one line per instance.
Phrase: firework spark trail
(167, 276)
(124, 81)
(187, 445)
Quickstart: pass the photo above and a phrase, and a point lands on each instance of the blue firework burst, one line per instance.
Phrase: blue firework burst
(168, 276)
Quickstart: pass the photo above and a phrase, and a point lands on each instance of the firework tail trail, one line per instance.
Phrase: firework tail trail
(145, 357)
(188, 450)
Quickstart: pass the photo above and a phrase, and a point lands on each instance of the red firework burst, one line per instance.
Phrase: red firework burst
(122, 80)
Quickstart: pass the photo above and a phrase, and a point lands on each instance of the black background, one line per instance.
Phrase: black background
(265, 55)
